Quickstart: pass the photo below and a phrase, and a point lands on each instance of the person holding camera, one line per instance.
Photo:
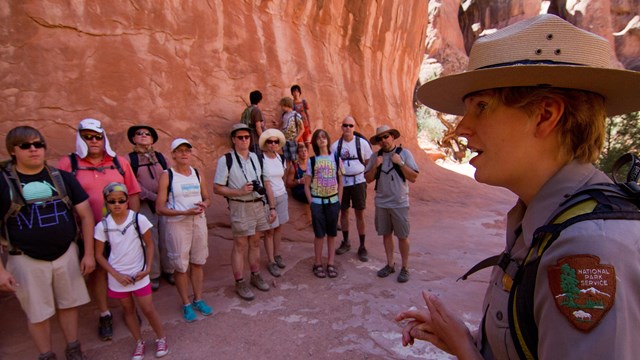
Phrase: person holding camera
(183, 200)
(251, 205)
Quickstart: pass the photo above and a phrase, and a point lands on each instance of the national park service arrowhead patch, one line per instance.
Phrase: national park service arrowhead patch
(584, 289)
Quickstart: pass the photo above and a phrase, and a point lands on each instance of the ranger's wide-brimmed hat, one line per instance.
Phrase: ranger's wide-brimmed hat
(542, 51)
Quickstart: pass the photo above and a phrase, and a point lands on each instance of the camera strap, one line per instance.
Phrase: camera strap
(252, 165)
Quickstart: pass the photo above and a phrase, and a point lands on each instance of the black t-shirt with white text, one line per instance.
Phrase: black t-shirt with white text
(42, 230)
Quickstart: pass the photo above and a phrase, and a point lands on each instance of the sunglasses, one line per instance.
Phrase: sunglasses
(347, 125)
(35, 144)
(384, 137)
(113, 202)
(90, 137)
(143, 133)
(243, 137)
(271, 142)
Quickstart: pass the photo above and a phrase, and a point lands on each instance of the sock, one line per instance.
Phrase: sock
(345, 236)
(106, 313)
(361, 240)
(239, 280)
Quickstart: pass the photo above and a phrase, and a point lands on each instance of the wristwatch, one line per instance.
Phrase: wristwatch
(402, 163)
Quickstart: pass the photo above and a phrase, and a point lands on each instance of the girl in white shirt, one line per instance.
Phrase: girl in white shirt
(128, 265)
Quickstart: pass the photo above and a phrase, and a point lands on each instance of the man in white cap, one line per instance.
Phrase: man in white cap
(95, 165)
(148, 164)
(535, 99)
(252, 207)
(392, 169)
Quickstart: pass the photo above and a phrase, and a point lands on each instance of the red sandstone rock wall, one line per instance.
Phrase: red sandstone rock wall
(616, 20)
(186, 67)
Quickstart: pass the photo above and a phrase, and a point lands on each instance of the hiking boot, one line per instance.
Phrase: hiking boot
(168, 277)
(344, 247)
(49, 355)
(243, 290)
(403, 277)
(256, 280)
(138, 354)
(155, 284)
(363, 255)
(273, 269)
(279, 262)
(188, 314)
(202, 306)
(386, 270)
(162, 348)
(73, 351)
(105, 327)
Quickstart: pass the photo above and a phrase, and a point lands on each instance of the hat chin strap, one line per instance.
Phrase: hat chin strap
(82, 149)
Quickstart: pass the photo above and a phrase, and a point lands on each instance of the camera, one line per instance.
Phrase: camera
(258, 188)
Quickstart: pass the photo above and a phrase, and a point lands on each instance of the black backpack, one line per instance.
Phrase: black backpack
(170, 186)
(358, 136)
(137, 227)
(135, 165)
(617, 201)
(396, 167)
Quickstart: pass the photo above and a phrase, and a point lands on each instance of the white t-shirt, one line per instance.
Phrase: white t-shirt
(274, 170)
(353, 169)
(126, 250)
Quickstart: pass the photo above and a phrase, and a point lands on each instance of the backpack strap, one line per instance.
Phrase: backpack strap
(396, 167)
(161, 160)
(142, 244)
(134, 161)
(74, 165)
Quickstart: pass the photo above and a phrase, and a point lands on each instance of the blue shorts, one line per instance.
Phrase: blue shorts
(324, 218)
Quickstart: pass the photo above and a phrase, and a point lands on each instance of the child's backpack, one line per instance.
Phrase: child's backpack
(17, 198)
(73, 159)
(135, 223)
(620, 200)
(396, 167)
(134, 161)
(245, 118)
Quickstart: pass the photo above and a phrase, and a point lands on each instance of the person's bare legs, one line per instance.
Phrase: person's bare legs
(240, 248)
(41, 335)
(388, 248)
(197, 279)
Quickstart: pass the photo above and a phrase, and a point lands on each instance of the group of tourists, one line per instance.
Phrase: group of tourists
(565, 286)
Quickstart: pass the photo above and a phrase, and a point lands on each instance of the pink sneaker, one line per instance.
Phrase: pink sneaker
(139, 353)
(162, 348)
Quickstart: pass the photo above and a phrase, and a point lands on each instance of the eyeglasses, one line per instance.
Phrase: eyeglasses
(113, 202)
(143, 133)
(184, 151)
(243, 137)
(271, 142)
(347, 125)
(90, 137)
(35, 144)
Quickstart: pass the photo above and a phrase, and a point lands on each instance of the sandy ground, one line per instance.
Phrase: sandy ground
(455, 222)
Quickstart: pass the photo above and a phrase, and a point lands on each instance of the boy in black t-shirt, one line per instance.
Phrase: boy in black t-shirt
(37, 205)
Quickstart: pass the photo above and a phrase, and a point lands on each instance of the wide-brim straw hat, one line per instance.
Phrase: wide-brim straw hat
(269, 133)
(384, 129)
(543, 51)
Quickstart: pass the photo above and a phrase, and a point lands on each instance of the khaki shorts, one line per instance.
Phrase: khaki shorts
(282, 209)
(187, 242)
(247, 218)
(393, 221)
(44, 286)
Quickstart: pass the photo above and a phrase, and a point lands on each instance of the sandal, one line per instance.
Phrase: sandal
(331, 270)
(318, 271)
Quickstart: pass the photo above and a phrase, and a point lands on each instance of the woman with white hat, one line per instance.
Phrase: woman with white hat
(273, 166)
(535, 101)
